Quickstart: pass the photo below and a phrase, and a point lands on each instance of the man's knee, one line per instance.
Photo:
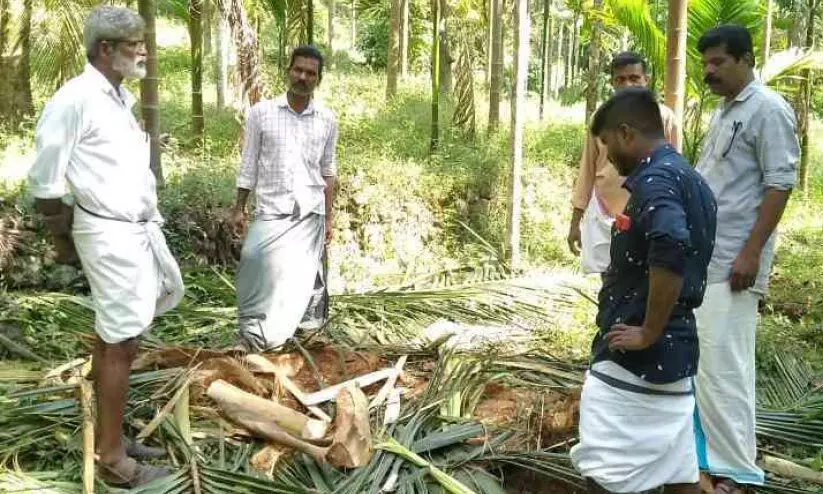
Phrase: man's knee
(125, 350)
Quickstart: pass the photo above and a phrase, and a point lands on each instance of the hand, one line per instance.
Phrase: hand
(622, 337)
(575, 238)
(238, 222)
(744, 270)
(328, 229)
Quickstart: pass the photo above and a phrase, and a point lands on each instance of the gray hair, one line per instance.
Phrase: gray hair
(110, 23)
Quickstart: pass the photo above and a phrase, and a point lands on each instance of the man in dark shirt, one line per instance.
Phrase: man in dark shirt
(636, 412)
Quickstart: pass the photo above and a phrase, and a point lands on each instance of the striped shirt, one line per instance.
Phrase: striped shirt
(286, 156)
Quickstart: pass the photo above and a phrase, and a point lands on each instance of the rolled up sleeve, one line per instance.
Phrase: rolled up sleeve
(57, 134)
(247, 176)
(778, 151)
(328, 163)
(663, 220)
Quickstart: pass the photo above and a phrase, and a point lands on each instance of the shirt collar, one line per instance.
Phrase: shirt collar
(747, 91)
(656, 155)
(283, 102)
(96, 78)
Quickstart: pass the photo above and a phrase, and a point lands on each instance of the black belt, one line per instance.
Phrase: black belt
(617, 383)
(142, 222)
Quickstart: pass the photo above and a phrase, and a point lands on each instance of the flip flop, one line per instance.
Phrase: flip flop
(128, 473)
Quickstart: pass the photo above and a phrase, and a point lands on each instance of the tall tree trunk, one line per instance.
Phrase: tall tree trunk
(196, 37)
(435, 75)
(575, 49)
(310, 21)
(767, 33)
(676, 69)
(222, 59)
(245, 42)
(445, 52)
(393, 55)
(545, 54)
(330, 30)
(796, 31)
(567, 75)
(404, 38)
(208, 21)
(594, 61)
(149, 94)
(558, 58)
(496, 79)
(521, 72)
(24, 70)
(489, 40)
(806, 107)
(353, 23)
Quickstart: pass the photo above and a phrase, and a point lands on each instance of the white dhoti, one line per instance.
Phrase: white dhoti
(595, 238)
(132, 274)
(632, 441)
(275, 282)
(726, 442)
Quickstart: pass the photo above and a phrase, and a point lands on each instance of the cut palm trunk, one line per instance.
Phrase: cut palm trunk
(261, 364)
(791, 470)
(351, 445)
(251, 409)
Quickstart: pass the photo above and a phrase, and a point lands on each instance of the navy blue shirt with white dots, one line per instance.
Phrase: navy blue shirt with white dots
(669, 222)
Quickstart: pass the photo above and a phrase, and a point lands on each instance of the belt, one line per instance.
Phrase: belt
(97, 215)
(617, 383)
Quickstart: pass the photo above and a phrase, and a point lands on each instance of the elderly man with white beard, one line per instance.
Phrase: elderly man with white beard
(93, 154)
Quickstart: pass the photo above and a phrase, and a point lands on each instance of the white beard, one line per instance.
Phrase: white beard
(129, 69)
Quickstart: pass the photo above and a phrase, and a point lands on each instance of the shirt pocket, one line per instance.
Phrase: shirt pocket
(315, 144)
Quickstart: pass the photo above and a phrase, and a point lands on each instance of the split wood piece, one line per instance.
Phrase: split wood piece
(351, 446)
(54, 376)
(390, 382)
(258, 363)
(182, 417)
(352, 442)
(331, 392)
(250, 408)
(164, 412)
(791, 470)
(86, 400)
(392, 407)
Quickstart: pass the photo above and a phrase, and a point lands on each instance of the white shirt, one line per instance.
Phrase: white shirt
(751, 146)
(286, 156)
(88, 140)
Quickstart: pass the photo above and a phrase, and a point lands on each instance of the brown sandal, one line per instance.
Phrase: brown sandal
(128, 473)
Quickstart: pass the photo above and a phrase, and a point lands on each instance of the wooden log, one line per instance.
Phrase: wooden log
(791, 470)
(251, 409)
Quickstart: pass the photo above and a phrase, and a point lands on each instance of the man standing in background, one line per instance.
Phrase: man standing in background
(89, 142)
(289, 162)
(598, 196)
(749, 159)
